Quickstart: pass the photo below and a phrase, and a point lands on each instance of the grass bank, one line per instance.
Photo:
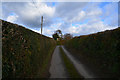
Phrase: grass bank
(101, 50)
(73, 73)
(25, 53)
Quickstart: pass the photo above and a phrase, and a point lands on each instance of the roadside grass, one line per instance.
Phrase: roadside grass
(44, 70)
(73, 73)
(101, 50)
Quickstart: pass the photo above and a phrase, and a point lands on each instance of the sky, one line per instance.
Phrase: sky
(76, 18)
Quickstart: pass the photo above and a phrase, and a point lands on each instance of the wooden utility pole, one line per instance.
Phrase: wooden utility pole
(41, 24)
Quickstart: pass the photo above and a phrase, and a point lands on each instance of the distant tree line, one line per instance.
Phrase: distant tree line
(58, 36)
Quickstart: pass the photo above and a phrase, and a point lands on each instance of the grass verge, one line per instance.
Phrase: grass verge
(100, 50)
(44, 70)
(73, 73)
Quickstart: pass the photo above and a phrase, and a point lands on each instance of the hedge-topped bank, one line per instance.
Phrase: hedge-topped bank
(102, 50)
(25, 53)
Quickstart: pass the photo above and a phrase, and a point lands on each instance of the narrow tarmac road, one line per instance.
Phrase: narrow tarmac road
(57, 69)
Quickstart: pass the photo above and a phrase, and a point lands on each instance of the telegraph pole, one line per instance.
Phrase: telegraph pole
(41, 24)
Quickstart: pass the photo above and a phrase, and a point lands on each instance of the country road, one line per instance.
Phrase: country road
(57, 69)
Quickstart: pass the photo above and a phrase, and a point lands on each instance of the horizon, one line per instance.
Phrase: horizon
(80, 18)
(54, 31)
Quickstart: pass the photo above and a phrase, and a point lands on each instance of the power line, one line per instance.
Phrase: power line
(41, 17)
(36, 6)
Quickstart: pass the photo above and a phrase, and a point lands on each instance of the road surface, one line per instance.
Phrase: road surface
(57, 69)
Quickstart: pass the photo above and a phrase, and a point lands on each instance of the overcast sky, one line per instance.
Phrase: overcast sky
(77, 18)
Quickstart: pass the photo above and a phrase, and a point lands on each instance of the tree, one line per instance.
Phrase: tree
(68, 36)
(59, 32)
(55, 36)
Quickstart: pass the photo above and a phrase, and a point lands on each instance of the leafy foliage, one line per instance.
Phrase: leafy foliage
(101, 49)
(24, 52)
(67, 36)
(55, 36)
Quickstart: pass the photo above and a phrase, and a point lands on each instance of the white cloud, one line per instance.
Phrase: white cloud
(73, 30)
(71, 11)
(12, 18)
(88, 29)
(78, 12)
(89, 14)
(40, 9)
(0, 10)
(92, 15)
(50, 30)
(28, 14)
(95, 12)
(79, 17)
